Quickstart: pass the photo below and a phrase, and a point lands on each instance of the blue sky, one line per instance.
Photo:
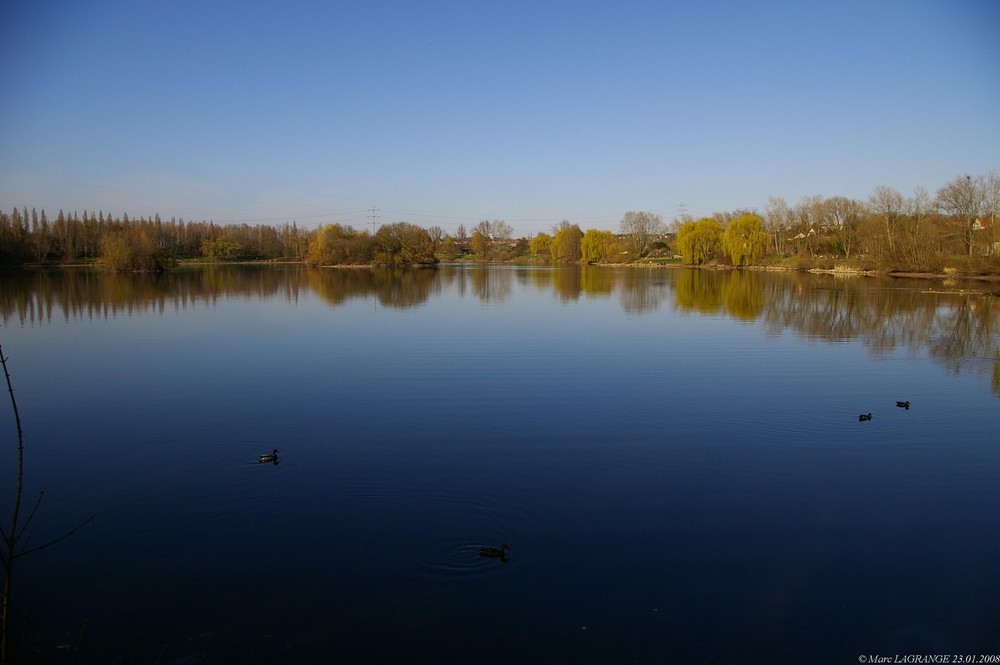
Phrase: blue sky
(453, 112)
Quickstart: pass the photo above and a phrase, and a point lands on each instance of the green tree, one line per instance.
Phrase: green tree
(449, 249)
(599, 246)
(700, 241)
(745, 239)
(334, 244)
(220, 249)
(541, 243)
(133, 253)
(116, 253)
(566, 242)
(481, 246)
(403, 243)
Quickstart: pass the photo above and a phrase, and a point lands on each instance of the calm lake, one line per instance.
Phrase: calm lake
(674, 457)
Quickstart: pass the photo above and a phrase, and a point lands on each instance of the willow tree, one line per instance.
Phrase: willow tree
(598, 246)
(746, 240)
(700, 241)
(566, 242)
(334, 244)
(541, 243)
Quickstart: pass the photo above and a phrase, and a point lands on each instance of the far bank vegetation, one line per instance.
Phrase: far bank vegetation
(955, 230)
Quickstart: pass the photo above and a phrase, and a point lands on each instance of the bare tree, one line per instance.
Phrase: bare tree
(437, 235)
(913, 239)
(990, 184)
(778, 220)
(843, 216)
(808, 216)
(491, 236)
(962, 199)
(886, 204)
(639, 229)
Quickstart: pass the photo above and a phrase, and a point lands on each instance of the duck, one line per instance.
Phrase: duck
(494, 551)
(865, 416)
(903, 405)
(273, 457)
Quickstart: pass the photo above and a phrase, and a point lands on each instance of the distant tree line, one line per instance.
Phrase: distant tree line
(401, 243)
(891, 231)
(124, 243)
(886, 231)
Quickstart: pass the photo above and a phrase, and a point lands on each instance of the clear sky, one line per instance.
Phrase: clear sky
(453, 112)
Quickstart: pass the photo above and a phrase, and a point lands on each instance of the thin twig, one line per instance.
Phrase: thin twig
(12, 536)
(53, 542)
(31, 516)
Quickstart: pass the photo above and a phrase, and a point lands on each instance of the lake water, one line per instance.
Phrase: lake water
(673, 456)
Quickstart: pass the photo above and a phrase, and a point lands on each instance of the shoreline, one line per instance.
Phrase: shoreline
(899, 274)
(948, 275)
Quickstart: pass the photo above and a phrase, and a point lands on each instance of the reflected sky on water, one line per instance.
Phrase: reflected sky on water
(674, 457)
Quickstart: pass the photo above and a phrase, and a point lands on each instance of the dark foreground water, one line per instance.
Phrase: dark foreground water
(674, 458)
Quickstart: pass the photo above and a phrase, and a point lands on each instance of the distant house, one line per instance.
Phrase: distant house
(992, 248)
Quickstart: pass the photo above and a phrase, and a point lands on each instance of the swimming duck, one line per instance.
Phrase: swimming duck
(273, 457)
(903, 405)
(494, 551)
(865, 416)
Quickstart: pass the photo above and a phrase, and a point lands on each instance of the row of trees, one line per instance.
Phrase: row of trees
(639, 232)
(404, 244)
(393, 244)
(891, 230)
(139, 243)
(887, 230)
(744, 240)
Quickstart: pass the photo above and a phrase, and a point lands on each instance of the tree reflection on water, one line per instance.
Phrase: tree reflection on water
(957, 326)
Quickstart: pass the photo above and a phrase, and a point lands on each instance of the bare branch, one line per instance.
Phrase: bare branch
(53, 542)
(31, 516)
